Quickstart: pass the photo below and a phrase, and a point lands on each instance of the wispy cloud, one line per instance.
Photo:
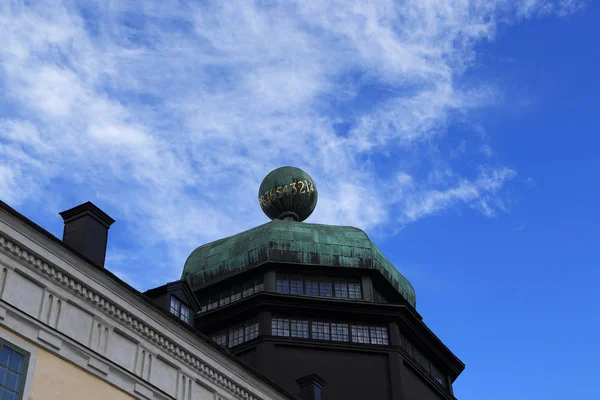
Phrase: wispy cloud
(170, 113)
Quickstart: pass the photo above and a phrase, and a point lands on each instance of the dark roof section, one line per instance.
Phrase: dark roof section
(207, 340)
(173, 286)
(298, 243)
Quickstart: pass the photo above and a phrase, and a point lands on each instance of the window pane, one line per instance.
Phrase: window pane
(185, 314)
(339, 332)
(341, 289)
(354, 291)
(296, 285)
(3, 373)
(259, 287)
(248, 288)
(236, 336)
(220, 338)
(174, 306)
(237, 293)
(282, 285)
(299, 328)
(16, 361)
(360, 334)
(379, 335)
(325, 287)
(8, 395)
(280, 327)
(213, 302)
(12, 380)
(251, 331)
(311, 287)
(320, 330)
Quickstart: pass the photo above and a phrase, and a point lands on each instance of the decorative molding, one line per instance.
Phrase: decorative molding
(109, 307)
(50, 339)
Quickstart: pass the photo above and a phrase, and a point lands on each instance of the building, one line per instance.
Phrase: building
(286, 310)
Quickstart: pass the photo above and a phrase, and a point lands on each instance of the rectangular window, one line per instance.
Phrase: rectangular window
(341, 289)
(220, 338)
(320, 331)
(325, 287)
(311, 287)
(236, 336)
(213, 302)
(282, 285)
(185, 314)
(251, 331)
(204, 305)
(379, 335)
(299, 328)
(248, 289)
(174, 307)
(280, 327)
(13, 368)
(236, 293)
(296, 285)
(360, 334)
(177, 308)
(259, 286)
(354, 291)
(225, 299)
(339, 332)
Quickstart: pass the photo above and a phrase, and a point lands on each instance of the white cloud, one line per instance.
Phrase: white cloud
(171, 114)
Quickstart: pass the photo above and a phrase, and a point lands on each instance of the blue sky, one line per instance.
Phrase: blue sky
(461, 135)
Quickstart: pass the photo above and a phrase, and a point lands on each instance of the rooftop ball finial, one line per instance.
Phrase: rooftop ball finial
(288, 193)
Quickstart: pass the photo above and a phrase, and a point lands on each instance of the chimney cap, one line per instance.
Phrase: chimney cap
(87, 208)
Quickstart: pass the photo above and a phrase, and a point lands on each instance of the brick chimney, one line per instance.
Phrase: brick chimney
(86, 231)
(311, 387)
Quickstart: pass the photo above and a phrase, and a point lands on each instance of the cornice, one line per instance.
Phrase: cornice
(111, 308)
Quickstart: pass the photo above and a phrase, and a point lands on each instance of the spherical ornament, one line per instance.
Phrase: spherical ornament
(288, 193)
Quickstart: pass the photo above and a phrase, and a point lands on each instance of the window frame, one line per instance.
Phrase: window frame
(25, 367)
(180, 304)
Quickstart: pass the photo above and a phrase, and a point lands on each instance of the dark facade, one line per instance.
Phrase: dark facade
(318, 309)
(348, 326)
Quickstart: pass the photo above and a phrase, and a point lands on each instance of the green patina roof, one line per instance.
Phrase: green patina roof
(293, 242)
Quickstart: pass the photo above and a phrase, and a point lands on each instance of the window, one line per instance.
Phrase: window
(220, 338)
(360, 334)
(320, 330)
(339, 332)
(341, 289)
(280, 327)
(225, 299)
(175, 304)
(179, 309)
(250, 331)
(354, 291)
(237, 294)
(13, 368)
(299, 328)
(379, 335)
(311, 286)
(236, 335)
(296, 285)
(185, 314)
(213, 302)
(282, 285)
(248, 289)
(325, 287)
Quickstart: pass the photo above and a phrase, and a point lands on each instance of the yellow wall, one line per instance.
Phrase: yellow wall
(56, 379)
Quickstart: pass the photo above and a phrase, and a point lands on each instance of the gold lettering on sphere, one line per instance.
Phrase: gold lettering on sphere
(301, 187)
